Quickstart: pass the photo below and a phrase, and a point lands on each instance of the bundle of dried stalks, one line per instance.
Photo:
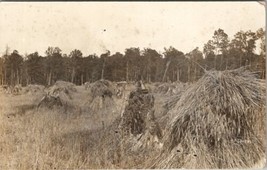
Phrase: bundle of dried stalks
(102, 93)
(217, 123)
(14, 90)
(33, 88)
(3, 88)
(134, 116)
(102, 88)
(60, 94)
(50, 102)
(139, 119)
(62, 89)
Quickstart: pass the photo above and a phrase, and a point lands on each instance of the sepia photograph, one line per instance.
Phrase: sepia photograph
(132, 85)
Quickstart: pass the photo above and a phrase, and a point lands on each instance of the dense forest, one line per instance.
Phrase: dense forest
(219, 53)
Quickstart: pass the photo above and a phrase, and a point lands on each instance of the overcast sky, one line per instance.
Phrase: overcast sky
(94, 27)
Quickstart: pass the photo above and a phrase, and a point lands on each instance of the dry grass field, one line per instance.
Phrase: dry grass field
(87, 132)
(31, 137)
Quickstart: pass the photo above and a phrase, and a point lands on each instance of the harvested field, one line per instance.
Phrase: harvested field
(216, 122)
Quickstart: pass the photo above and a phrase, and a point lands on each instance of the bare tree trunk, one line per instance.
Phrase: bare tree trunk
(247, 62)
(27, 80)
(263, 68)
(50, 78)
(102, 72)
(166, 69)
(195, 73)
(250, 62)
(240, 61)
(82, 79)
(27, 77)
(11, 77)
(18, 82)
(226, 65)
(221, 62)
(178, 75)
(73, 75)
(127, 71)
(5, 76)
(21, 78)
(188, 72)
(174, 75)
(47, 78)
(215, 61)
(149, 69)
(14, 78)
(86, 77)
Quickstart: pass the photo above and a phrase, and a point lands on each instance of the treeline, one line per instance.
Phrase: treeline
(219, 53)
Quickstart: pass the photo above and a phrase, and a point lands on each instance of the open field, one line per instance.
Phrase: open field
(171, 125)
(31, 136)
